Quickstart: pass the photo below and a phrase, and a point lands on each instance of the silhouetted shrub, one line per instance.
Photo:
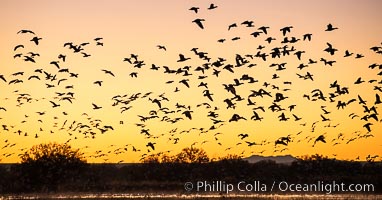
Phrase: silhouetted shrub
(50, 167)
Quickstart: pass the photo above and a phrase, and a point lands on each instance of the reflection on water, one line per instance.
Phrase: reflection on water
(188, 196)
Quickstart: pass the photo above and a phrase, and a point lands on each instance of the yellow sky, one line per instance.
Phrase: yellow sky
(137, 27)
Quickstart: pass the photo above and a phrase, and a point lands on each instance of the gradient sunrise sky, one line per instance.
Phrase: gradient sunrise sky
(137, 27)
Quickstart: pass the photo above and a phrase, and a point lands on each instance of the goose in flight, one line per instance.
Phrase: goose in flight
(212, 6)
(29, 59)
(25, 31)
(347, 53)
(251, 143)
(2, 78)
(182, 58)
(232, 26)
(98, 39)
(377, 99)
(269, 39)
(221, 40)
(307, 36)
(248, 23)
(54, 105)
(243, 135)
(62, 57)
(330, 49)
(18, 46)
(264, 29)
(256, 116)
(367, 126)
(36, 40)
(98, 83)
(282, 117)
(330, 27)
(195, 9)
(187, 113)
(298, 54)
(55, 63)
(151, 145)
(185, 82)
(157, 102)
(108, 72)
(161, 47)
(199, 22)
(286, 29)
(256, 33)
(320, 138)
(95, 107)
(280, 141)
(207, 94)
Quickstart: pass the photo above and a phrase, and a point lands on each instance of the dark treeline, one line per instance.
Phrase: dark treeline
(171, 176)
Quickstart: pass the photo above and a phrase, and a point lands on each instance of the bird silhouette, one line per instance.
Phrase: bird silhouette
(199, 22)
(195, 9)
(330, 27)
(3, 78)
(161, 47)
(108, 72)
(212, 6)
(18, 46)
(347, 53)
(25, 31)
(36, 40)
(368, 126)
(95, 107)
(377, 99)
(264, 29)
(330, 49)
(98, 83)
(182, 58)
(248, 23)
(207, 94)
(320, 138)
(54, 105)
(151, 145)
(232, 26)
(187, 113)
(243, 135)
(307, 36)
(286, 29)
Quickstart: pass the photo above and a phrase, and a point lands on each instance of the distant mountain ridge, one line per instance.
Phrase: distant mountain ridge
(285, 159)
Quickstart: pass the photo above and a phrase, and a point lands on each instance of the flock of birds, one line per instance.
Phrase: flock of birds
(264, 98)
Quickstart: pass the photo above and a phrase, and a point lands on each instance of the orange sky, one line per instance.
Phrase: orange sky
(137, 27)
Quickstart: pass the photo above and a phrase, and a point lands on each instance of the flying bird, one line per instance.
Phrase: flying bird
(212, 6)
(18, 46)
(195, 9)
(25, 31)
(330, 27)
(95, 107)
(243, 135)
(320, 138)
(151, 145)
(286, 29)
(182, 58)
(2, 78)
(199, 22)
(36, 40)
(161, 47)
(108, 72)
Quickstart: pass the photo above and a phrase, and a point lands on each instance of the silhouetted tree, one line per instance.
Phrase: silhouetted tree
(192, 155)
(46, 167)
